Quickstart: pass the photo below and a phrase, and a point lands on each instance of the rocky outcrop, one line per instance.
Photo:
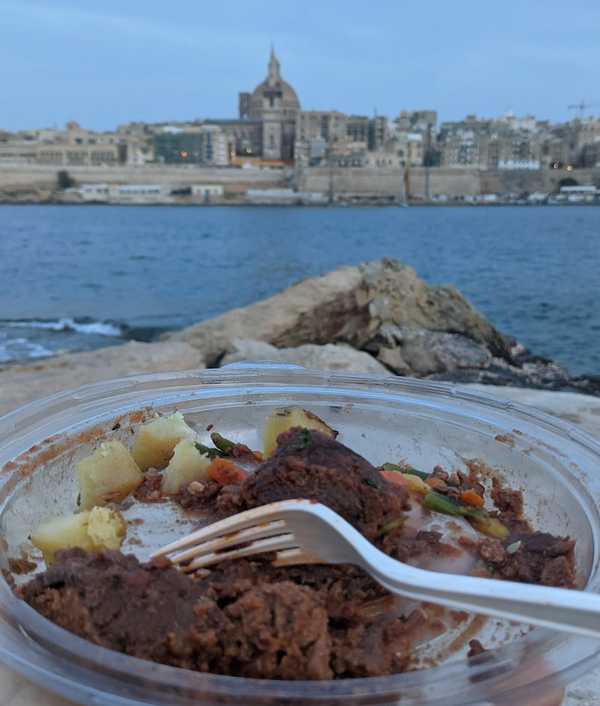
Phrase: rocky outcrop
(349, 305)
(378, 318)
(382, 308)
(338, 357)
(410, 351)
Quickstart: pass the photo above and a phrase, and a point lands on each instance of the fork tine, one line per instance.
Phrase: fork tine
(272, 529)
(272, 544)
(241, 521)
(292, 557)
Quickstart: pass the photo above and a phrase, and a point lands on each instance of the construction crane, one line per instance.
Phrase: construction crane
(581, 107)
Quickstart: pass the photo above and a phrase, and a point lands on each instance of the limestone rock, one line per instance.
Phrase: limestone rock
(348, 305)
(409, 351)
(540, 373)
(23, 383)
(338, 357)
(398, 296)
(319, 310)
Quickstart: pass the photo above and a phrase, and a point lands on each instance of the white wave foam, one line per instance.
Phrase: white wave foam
(21, 349)
(100, 328)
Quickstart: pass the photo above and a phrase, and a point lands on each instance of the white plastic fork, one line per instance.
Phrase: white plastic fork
(303, 531)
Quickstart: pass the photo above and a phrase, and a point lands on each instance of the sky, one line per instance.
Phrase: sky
(108, 63)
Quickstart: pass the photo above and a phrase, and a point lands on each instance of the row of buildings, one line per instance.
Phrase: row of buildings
(273, 130)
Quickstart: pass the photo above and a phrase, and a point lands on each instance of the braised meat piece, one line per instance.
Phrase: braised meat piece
(532, 558)
(245, 618)
(276, 630)
(311, 465)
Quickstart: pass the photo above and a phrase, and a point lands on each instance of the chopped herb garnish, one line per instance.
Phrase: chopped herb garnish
(304, 439)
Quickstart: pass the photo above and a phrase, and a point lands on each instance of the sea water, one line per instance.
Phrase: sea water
(80, 277)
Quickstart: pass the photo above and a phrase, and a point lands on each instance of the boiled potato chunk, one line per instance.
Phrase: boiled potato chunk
(186, 465)
(106, 528)
(94, 530)
(283, 419)
(108, 475)
(154, 442)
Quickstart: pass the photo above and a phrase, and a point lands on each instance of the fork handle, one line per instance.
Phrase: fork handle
(558, 608)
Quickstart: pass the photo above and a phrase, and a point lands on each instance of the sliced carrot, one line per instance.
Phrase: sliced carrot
(226, 472)
(394, 477)
(470, 497)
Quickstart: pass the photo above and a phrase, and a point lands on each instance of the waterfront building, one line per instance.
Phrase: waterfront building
(203, 144)
(207, 191)
(328, 125)
(244, 138)
(275, 105)
(74, 146)
(357, 128)
(417, 121)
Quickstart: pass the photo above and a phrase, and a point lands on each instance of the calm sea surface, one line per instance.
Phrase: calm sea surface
(77, 277)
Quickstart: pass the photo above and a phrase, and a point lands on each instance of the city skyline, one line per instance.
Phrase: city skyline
(107, 68)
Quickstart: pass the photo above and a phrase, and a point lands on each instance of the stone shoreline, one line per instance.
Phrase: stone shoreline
(377, 318)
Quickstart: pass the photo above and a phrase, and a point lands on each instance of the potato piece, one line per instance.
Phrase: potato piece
(94, 530)
(154, 442)
(106, 528)
(108, 475)
(62, 533)
(283, 419)
(186, 465)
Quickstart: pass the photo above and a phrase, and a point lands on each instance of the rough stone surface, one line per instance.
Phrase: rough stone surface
(421, 352)
(332, 356)
(535, 373)
(320, 310)
(348, 305)
(383, 308)
(23, 383)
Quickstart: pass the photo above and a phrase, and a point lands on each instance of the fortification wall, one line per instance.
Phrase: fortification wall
(37, 176)
(544, 180)
(353, 181)
(442, 180)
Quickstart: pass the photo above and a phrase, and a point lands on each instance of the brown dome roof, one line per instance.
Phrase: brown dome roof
(274, 86)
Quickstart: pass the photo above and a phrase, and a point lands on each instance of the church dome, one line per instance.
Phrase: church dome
(273, 94)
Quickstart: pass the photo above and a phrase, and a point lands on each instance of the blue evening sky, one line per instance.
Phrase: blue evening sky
(105, 63)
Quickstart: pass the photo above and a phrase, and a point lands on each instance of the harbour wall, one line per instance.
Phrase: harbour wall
(396, 184)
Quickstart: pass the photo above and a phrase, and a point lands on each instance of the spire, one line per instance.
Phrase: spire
(274, 68)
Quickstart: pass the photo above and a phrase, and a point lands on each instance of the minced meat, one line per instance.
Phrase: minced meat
(533, 558)
(245, 618)
(312, 465)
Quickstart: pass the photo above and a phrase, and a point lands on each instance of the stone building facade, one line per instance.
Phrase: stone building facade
(275, 105)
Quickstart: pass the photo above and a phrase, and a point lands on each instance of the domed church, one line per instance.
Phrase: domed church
(275, 104)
